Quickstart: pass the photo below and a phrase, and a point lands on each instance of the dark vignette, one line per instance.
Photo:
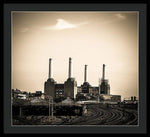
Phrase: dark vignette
(74, 7)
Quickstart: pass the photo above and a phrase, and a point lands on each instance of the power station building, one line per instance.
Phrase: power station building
(103, 88)
(86, 88)
(69, 87)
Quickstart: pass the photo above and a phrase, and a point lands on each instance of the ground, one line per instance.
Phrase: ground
(96, 115)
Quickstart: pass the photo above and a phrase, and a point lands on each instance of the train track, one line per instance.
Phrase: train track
(109, 116)
(96, 115)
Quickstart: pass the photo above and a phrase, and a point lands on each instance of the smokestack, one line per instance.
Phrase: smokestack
(134, 98)
(50, 68)
(70, 68)
(85, 74)
(103, 71)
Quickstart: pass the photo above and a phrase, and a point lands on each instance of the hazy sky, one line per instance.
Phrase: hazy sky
(92, 38)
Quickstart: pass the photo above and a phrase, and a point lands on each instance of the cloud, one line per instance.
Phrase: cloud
(115, 18)
(63, 24)
(120, 16)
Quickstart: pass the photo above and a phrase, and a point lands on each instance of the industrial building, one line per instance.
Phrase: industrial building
(88, 92)
(104, 86)
(86, 88)
(68, 89)
(85, 91)
(105, 90)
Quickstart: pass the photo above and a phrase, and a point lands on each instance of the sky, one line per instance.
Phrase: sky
(92, 38)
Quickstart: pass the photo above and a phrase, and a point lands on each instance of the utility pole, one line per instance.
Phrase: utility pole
(49, 107)
(52, 110)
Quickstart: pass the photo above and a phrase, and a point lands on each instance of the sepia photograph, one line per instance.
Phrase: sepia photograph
(74, 68)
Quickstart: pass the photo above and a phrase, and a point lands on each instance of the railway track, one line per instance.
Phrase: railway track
(109, 116)
(97, 115)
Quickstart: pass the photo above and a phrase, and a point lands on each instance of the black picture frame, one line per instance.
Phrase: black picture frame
(141, 8)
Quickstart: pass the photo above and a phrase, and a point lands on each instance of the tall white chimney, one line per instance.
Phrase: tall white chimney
(70, 68)
(50, 68)
(103, 71)
(85, 74)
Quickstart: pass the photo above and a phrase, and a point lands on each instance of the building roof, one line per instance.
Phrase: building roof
(86, 84)
(67, 101)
